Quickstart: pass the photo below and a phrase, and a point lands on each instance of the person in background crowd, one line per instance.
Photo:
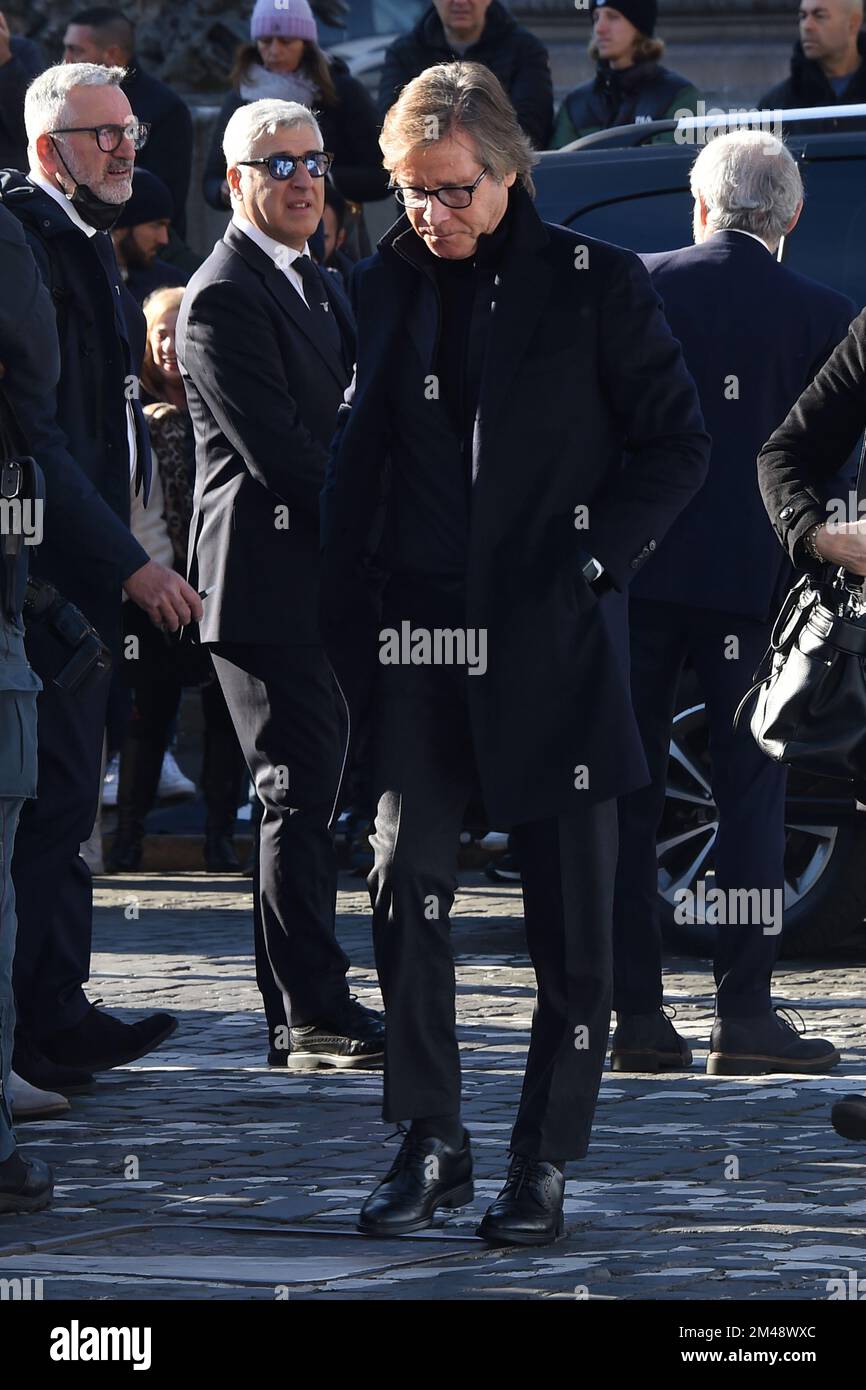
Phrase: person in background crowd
(284, 62)
(266, 344)
(161, 668)
(29, 368)
(82, 139)
(481, 32)
(537, 403)
(709, 597)
(142, 230)
(827, 64)
(335, 232)
(104, 35)
(630, 84)
(20, 61)
(796, 469)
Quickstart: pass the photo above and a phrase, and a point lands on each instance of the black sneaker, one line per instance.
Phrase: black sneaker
(764, 1045)
(354, 1038)
(426, 1174)
(648, 1042)
(849, 1117)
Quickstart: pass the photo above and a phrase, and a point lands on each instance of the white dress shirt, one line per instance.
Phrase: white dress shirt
(282, 256)
(61, 199)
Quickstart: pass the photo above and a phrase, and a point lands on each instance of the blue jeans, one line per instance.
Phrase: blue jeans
(19, 686)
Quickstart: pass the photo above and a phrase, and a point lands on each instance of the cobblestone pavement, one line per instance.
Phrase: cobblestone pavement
(198, 1173)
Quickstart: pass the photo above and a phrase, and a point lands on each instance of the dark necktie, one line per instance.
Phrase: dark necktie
(317, 300)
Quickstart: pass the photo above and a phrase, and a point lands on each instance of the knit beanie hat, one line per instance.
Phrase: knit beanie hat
(641, 13)
(150, 201)
(284, 19)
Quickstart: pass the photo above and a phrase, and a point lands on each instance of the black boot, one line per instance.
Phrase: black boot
(140, 766)
(426, 1174)
(849, 1117)
(648, 1042)
(765, 1045)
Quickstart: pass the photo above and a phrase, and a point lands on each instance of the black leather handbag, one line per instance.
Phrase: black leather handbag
(810, 711)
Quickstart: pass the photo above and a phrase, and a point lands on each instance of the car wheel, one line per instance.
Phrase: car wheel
(825, 865)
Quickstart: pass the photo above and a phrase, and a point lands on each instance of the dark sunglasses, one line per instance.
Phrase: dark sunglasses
(111, 137)
(283, 166)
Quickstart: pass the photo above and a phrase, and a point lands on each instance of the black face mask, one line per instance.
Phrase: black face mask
(90, 208)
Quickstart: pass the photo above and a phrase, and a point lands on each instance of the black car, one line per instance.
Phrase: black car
(616, 186)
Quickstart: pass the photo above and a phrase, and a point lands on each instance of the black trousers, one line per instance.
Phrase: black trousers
(749, 791)
(286, 710)
(53, 887)
(423, 777)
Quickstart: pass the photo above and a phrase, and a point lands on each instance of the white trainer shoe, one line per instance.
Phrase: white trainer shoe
(173, 785)
(29, 1103)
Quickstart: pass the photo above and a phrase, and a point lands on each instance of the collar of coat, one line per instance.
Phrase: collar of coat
(526, 233)
(625, 79)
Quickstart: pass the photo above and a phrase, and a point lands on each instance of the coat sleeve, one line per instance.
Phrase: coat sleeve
(358, 170)
(654, 398)
(215, 164)
(531, 92)
(80, 521)
(814, 442)
(230, 351)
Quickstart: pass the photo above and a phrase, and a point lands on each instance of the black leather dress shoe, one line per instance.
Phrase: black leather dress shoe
(849, 1117)
(648, 1042)
(33, 1066)
(355, 1037)
(765, 1045)
(528, 1210)
(426, 1174)
(100, 1041)
(31, 1192)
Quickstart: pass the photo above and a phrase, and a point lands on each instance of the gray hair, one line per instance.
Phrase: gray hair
(48, 95)
(257, 118)
(750, 183)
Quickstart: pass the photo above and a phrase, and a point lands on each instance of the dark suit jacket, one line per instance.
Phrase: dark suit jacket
(78, 434)
(264, 389)
(800, 460)
(584, 400)
(738, 314)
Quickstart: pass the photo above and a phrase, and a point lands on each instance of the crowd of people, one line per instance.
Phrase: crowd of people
(261, 471)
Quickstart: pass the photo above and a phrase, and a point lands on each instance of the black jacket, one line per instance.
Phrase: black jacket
(15, 77)
(349, 130)
(168, 152)
(584, 402)
(614, 97)
(808, 86)
(88, 549)
(263, 391)
(772, 330)
(515, 55)
(811, 446)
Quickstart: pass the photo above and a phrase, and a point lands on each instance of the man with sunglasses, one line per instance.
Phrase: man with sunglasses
(521, 433)
(266, 345)
(82, 141)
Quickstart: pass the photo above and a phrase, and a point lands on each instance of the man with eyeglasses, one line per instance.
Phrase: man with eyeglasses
(266, 346)
(521, 433)
(82, 141)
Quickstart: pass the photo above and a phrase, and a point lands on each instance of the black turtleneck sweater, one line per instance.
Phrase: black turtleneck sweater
(428, 524)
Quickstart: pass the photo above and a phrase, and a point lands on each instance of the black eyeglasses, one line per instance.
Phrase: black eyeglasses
(283, 166)
(111, 137)
(451, 196)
